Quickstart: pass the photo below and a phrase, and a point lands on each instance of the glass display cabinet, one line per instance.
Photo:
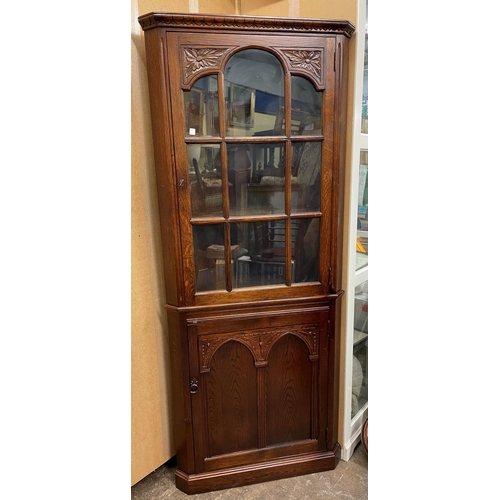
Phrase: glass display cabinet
(355, 347)
(248, 119)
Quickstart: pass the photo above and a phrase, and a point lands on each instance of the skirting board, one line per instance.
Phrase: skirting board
(257, 473)
(348, 449)
(356, 427)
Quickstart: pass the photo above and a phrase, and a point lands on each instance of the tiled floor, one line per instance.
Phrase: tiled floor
(349, 481)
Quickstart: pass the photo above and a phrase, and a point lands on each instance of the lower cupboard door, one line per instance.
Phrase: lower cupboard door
(262, 395)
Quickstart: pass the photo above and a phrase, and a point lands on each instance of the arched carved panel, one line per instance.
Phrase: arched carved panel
(209, 345)
(259, 343)
(308, 334)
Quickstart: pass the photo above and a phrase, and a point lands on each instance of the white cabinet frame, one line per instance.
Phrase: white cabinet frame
(350, 428)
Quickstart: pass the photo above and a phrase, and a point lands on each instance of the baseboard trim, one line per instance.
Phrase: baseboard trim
(348, 450)
(257, 473)
(355, 433)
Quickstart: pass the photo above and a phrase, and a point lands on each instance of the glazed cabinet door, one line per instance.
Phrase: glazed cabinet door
(261, 387)
(254, 150)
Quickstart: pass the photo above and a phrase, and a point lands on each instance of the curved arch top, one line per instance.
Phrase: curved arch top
(259, 344)
(199, 61)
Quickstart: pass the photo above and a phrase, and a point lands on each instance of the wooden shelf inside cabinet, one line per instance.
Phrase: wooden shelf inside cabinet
(244, 112)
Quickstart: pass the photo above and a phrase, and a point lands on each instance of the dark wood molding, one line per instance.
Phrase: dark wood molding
(246, 23)
(255, 473)
(252, 305)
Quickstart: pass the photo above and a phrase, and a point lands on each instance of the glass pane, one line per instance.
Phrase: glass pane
(364, 109)
(306, 176)
(205, 179)
(306, 107)
(257, 178)
(208, 241)
(362, 231)
(305, 249)
(261, 250)
(201, 108)
(256, 190)
(360, 349)
(260, 254)
(254, 90)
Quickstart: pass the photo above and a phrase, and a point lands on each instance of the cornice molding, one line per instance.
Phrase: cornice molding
(246, 23)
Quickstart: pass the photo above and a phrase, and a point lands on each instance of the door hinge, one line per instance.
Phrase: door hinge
(335, 61)
(326, 436)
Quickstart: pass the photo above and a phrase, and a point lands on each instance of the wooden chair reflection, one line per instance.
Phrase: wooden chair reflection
(297, 128)
(210, 191)
(298, 121)
(270, 168)
(268, 242)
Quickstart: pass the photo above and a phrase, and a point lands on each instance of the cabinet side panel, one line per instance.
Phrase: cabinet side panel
(181, 404)
(163, 154)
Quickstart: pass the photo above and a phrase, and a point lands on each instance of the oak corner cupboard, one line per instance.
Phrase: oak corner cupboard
(248, 118)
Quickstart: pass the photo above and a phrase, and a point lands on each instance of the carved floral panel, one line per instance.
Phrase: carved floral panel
(308, 61)
(196, 59)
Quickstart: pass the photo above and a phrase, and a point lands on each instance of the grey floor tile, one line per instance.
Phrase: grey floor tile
(349, 481)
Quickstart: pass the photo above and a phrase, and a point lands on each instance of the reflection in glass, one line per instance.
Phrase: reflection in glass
(208, 241)
(259, 256)
(362, 226)
(306, 176)
(250, 193)
(201, 108)
(257, 178)
(360, 349)
(305, 249)
(205, 179)
(242, 106)
(258, 175)
(262, 248)
(254, 90)
(306, 107)
(364, 109)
